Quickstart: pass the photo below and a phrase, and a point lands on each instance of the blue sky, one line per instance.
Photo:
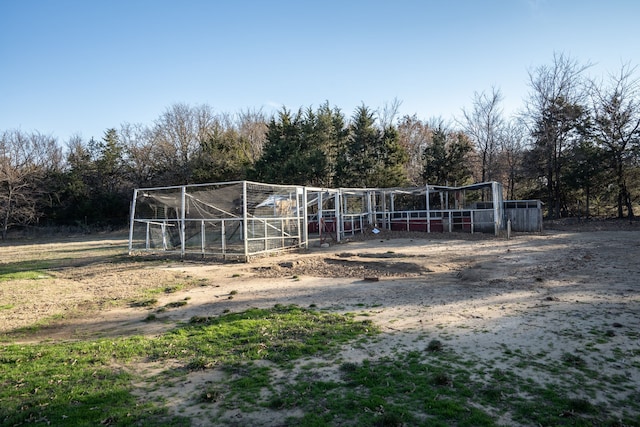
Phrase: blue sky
(80, 67)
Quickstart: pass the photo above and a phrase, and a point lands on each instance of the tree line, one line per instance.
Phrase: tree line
(575, 145)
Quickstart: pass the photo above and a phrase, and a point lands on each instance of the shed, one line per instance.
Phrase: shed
(525, 215)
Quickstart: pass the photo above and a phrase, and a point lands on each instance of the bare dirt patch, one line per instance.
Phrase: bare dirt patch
(510, 304)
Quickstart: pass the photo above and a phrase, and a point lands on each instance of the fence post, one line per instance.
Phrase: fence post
(183, 205)
(245, 226)
(133, 214)
(305, 219)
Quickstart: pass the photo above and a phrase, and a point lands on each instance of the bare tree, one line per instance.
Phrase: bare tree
(179, 134)
(616, 127)
(512, 145)
(483, 124)
(387, 115)
(25, 160)
(252, 128)
(77, 151)
(414, 136)
(554, 113)
(141, 154)
(224, 152)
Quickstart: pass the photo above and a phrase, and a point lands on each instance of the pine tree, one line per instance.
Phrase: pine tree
(445, 160)
(283, 158)
(390, 169)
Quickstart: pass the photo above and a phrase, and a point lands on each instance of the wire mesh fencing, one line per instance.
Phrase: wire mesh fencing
(244, 218)
(227, 219)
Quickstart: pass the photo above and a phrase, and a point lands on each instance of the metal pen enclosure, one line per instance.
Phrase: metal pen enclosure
(239, 219)
(244, 219)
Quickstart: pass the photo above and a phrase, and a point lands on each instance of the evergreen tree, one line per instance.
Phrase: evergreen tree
(110, 163)
(390, 171)
(80, 181)
(97, 190)
(586, 172)
(445, 159)
(558, 128)
(356, 161)
(328, 132)
(300, 148)
(114, 189)
(370, 157)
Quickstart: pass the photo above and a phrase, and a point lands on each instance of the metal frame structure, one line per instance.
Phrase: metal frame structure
(244, 219)
(238, 218)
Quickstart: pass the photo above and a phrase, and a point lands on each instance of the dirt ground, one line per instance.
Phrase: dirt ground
(553, 291)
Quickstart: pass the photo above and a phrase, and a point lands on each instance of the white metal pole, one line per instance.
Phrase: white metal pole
(163, 228)
(497, 208)
(472, 221)
(305, 219)
(320, 218)
(133, 213)
(338, 206)
(183, 204)
(202, 238)
(428, 212)
(223, 238)
(245, 226)
(393, 209)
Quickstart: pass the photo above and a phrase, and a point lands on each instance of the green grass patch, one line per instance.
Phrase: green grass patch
(25, 270)
(150, 302)
(260, 358)
(173, 288)
(24, 275)
(176, 304)
(279, 334)
(84, 383)
(407, 390)
(573, 360)
(439, 389)
(71, 384)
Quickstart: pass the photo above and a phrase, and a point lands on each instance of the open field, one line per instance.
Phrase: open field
(542, 329)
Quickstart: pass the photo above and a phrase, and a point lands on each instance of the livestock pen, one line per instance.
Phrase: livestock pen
(244, 218)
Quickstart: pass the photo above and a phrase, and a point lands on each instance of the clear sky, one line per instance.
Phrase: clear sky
(82, 66)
